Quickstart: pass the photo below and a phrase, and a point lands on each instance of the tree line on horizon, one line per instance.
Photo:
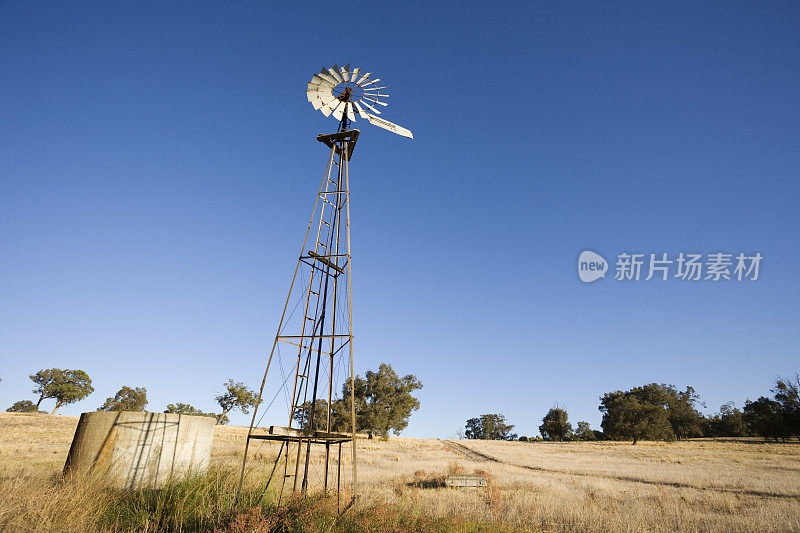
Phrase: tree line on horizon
(384, 404)
(67, 386)
(661, 412)
(383, 400)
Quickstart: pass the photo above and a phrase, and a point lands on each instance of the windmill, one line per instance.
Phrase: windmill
(316, 326)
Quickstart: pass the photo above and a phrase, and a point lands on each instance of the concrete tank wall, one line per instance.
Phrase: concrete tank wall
(140, 450)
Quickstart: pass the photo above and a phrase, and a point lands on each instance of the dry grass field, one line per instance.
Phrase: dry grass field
(700, 485)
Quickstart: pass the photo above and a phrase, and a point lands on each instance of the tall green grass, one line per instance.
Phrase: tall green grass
(191, 503)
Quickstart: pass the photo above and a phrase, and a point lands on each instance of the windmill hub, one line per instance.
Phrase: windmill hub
(346, 94)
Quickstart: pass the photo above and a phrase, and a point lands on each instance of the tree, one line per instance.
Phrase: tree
(787, 394)
(584, 432)
(65, 386)
(383, 401)
(555, 426)
(186, 409)
(23, 406)
(764, 417)
(236, 396)
(638, 414)
(340, 416)
(126, 399)
(728, 422)
(685, 419)
(489, 427)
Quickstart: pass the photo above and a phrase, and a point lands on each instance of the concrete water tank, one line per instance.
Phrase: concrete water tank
(140, 450)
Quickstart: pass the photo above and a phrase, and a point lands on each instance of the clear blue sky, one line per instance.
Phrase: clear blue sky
(158, 163)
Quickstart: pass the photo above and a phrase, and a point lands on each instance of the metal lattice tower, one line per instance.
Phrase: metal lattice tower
(316, 325)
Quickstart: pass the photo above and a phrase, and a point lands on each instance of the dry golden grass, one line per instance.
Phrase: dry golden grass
(699, 485)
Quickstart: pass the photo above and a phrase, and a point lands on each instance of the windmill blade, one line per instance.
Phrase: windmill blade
(385, 124)
(327, 77)
(327, 109)
(350, 114)
(358, 109)
(316, 96)
(318, 82)
(326, 97)
(370, 107)
(345, 73)
(317, 100)
(377, 95)
(354, 74)
(338, 112)
(363, 78)
(333, 106)
(375, 101)
(320, 89)
(335, 73)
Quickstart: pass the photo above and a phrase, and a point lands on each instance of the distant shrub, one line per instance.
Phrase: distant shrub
(489, 427)
(126, 399)
(455, 469)
(765, 418)
(584, 432)
(23, 406)
(728, 422)
(484, 474)
(555, 425)
(186, 409)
